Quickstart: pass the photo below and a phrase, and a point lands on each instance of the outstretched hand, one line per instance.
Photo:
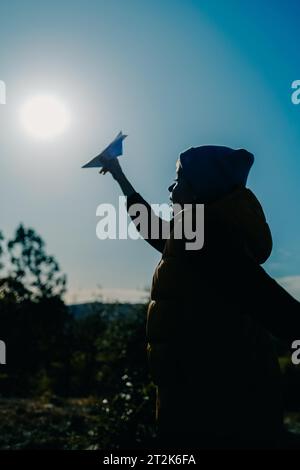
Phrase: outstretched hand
(111, 165)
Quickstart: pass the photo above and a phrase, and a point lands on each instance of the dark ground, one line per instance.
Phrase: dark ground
(61, 424)
(40, 424)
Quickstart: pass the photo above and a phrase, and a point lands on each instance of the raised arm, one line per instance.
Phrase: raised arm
(113, 166)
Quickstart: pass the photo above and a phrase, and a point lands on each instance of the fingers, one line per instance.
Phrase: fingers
(108, 166)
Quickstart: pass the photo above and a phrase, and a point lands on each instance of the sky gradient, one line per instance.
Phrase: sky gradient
(171, 75)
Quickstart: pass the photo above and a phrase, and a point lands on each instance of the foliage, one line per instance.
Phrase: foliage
(53, 356)
(33, 267)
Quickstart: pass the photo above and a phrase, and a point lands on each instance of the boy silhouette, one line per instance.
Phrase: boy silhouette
(213, 311)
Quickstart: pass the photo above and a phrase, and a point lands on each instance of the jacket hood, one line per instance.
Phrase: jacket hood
(237, 218)
(242, 213)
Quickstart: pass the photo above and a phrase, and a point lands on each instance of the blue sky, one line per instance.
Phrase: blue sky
(170, 74)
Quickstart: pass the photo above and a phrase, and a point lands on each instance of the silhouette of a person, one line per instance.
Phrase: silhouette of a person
(213, 312)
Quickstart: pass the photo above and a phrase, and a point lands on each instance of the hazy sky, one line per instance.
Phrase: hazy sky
(170, 74)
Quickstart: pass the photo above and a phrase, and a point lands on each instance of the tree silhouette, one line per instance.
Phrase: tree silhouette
(31, 266)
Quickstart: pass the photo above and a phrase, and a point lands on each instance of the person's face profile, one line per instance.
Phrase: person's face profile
(179, 190)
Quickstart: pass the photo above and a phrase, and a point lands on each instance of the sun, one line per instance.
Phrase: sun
(44, 116)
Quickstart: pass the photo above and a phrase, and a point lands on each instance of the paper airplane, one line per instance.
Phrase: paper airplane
(114, 149)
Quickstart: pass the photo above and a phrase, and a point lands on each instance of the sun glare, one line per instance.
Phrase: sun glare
(44, 116)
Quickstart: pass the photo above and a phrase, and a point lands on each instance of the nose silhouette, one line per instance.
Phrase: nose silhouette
(170, 188)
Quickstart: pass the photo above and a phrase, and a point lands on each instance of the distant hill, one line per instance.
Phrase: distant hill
(111, 309)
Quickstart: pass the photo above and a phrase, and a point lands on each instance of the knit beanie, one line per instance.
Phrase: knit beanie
(214, 171)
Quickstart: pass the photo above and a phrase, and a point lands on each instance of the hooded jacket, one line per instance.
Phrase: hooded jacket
(209, 329)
